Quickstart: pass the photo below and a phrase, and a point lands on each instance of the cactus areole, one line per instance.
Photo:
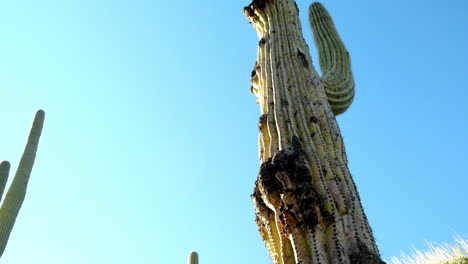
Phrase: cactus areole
(307, 206)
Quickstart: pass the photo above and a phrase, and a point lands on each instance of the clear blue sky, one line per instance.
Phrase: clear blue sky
(149, 148)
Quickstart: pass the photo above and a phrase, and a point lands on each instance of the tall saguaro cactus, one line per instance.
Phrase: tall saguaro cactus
(308, 209)
(17, 191)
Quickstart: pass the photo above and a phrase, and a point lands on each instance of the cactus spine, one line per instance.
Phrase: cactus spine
(17, 191)
(307, 206)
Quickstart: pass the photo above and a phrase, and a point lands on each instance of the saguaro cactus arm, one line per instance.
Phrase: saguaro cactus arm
(334, 59)
(17, 191)
(4, 171)
(307, 206)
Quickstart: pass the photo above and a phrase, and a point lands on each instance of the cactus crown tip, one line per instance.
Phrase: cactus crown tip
(40, 112)
(193, 257)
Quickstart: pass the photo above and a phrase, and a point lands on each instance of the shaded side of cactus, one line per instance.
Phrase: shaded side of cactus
(308, 209)
(14, 198)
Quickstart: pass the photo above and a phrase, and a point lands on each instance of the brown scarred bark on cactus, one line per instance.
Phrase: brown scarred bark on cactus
(307, 206)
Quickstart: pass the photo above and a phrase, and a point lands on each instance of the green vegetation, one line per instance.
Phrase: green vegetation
(16, 193)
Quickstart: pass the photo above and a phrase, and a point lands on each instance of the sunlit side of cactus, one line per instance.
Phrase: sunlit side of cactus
(308, 209)
(14, 198)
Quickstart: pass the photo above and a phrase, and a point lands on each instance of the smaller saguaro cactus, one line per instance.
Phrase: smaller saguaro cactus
(193, 257)
(16, 193)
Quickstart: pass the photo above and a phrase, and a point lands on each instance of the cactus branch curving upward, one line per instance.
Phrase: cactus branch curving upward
(17, 191)
(307, 206)
(334, 59)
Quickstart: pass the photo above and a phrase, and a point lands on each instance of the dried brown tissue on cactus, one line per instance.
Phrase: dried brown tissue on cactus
(287, 174)
(307, 206)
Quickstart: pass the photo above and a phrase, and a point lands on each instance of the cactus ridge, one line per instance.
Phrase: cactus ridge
(14, 198)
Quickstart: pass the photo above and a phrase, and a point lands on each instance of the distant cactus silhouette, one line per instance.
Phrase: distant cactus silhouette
(17, 191)
(193, 257)
(307, 206)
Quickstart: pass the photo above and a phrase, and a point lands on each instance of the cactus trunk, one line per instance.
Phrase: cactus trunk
(307, 206)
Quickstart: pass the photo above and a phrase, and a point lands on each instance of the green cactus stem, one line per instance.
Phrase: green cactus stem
(334, 60)
(4, 170)
(193, 257)
(307, 206)
(17, 191)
